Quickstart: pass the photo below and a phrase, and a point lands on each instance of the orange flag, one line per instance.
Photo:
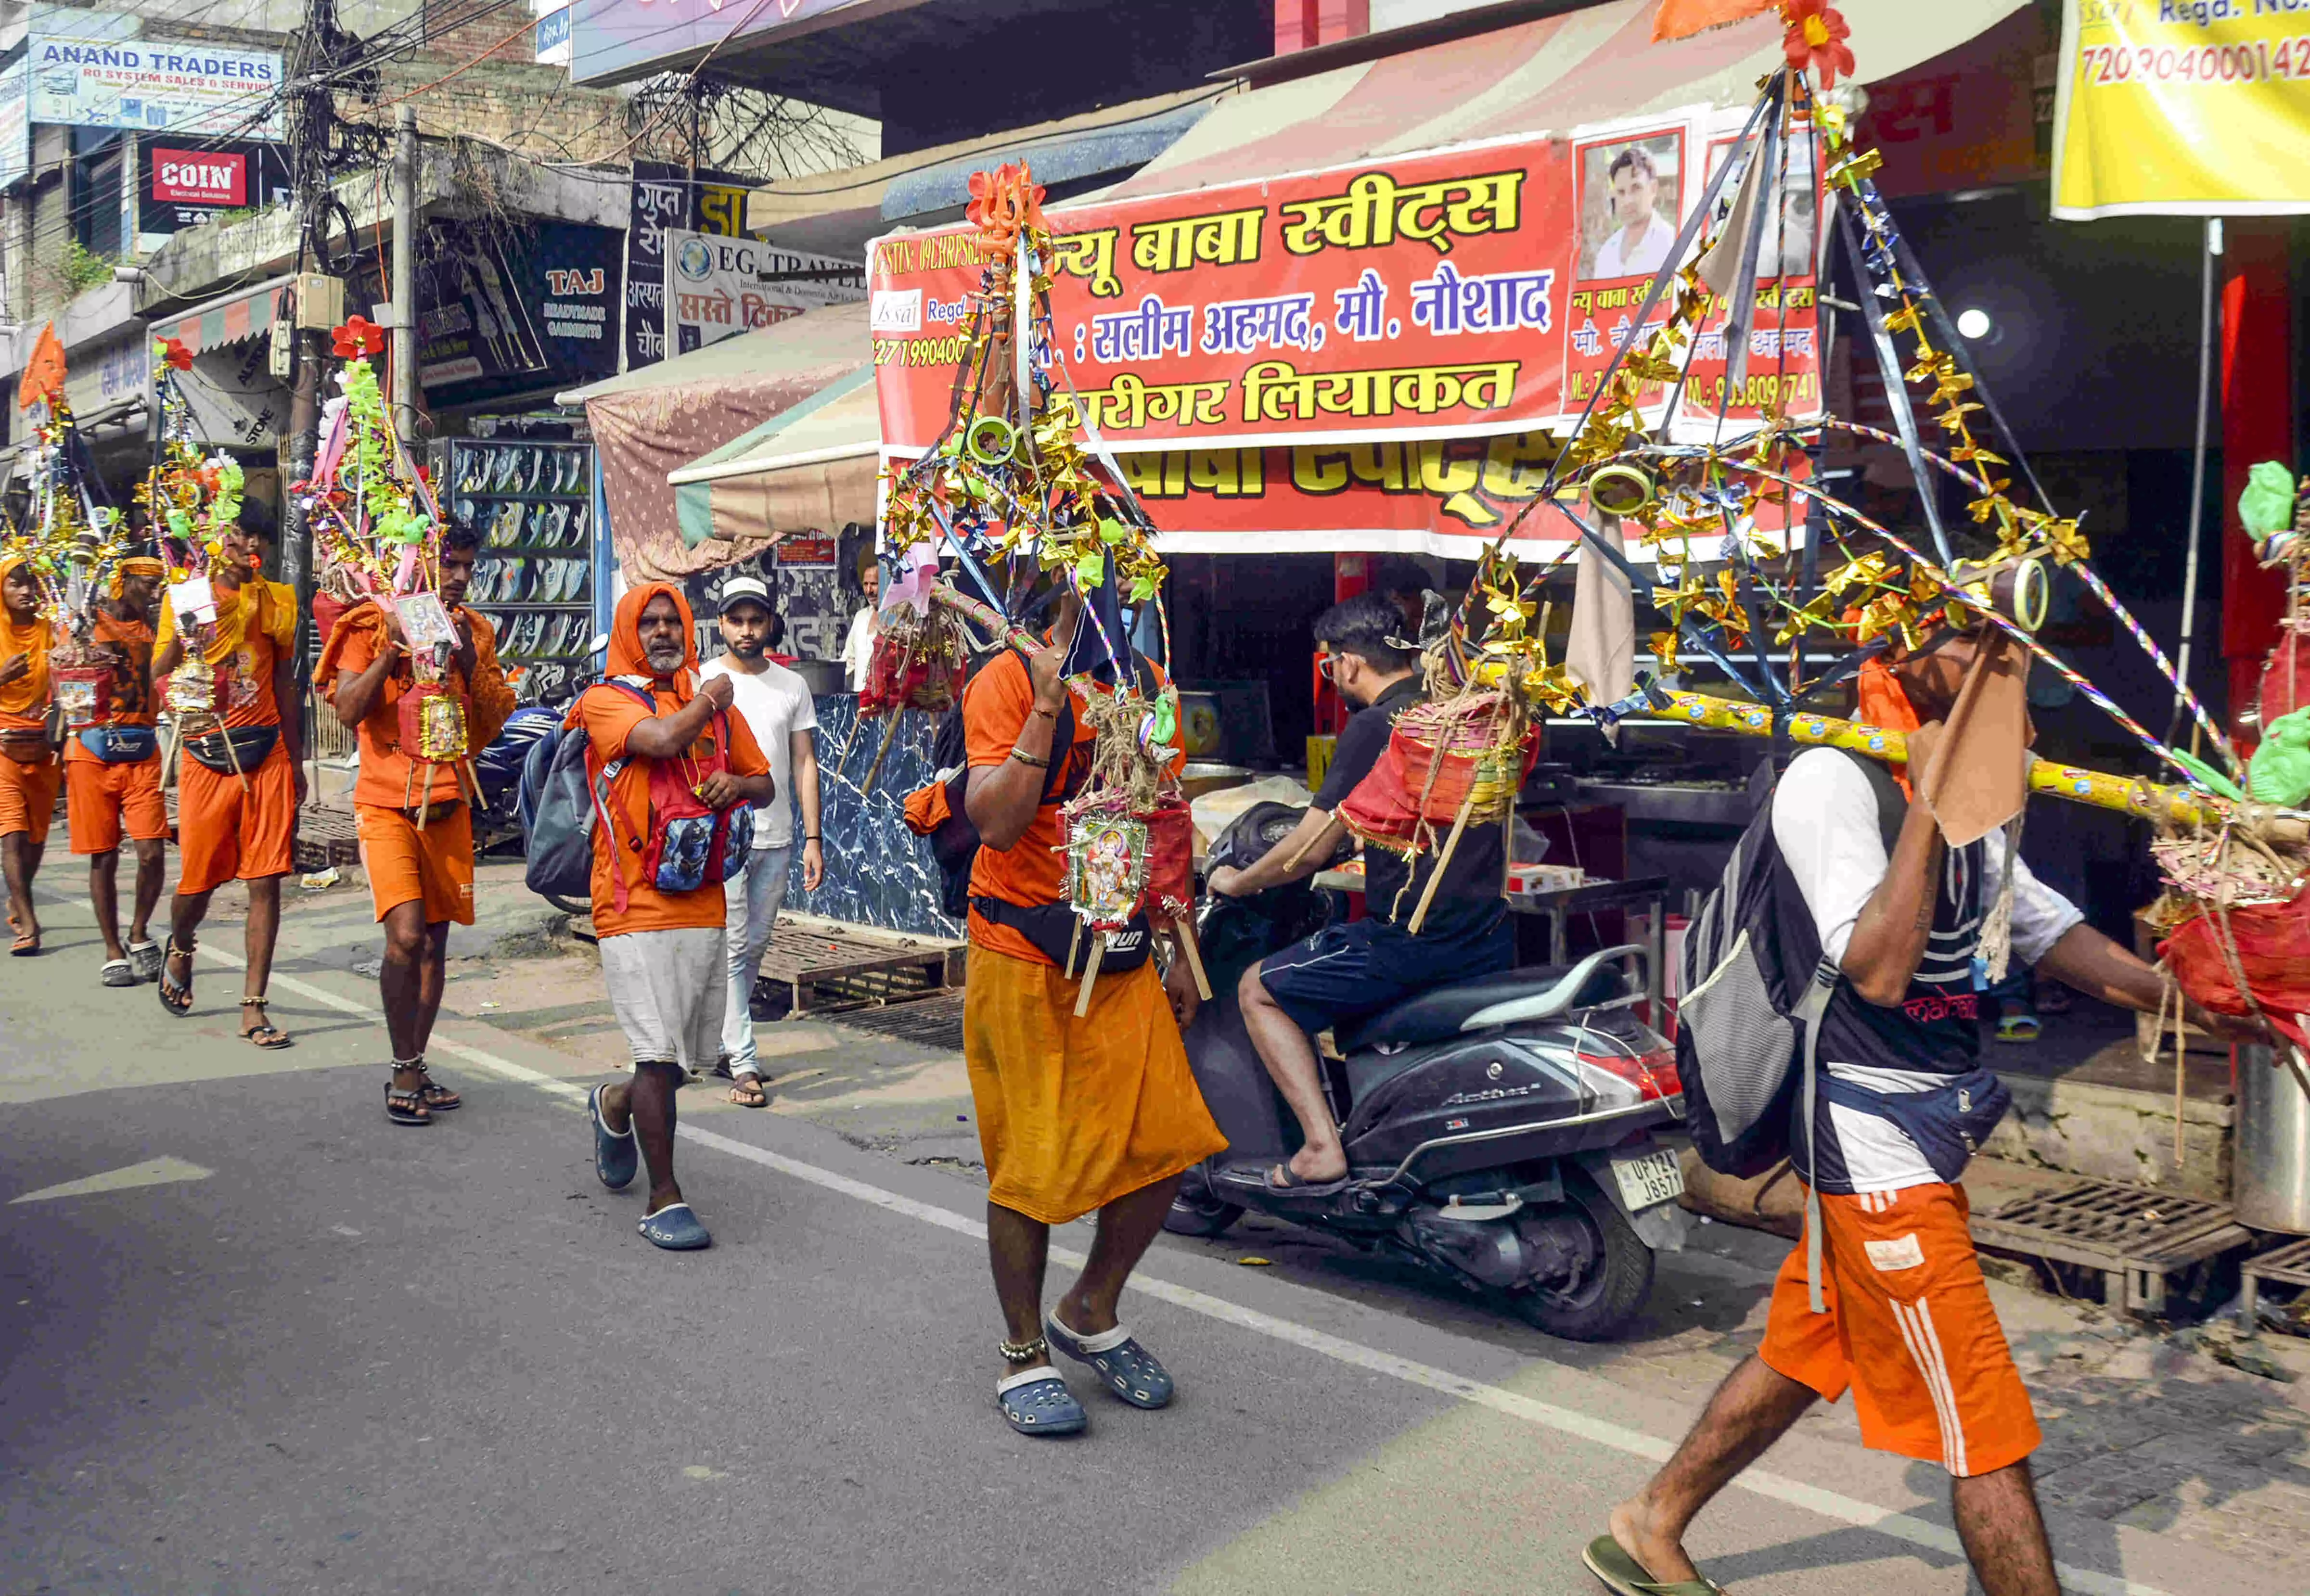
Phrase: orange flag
(1681, 19)
(44, 373)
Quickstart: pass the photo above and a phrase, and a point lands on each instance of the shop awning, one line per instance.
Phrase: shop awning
(233, 318)
(1552, 75)
(837, 213)
(658, 418)
(811, 467)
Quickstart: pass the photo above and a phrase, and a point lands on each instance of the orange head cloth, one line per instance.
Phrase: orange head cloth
(1884, 703)
(136, 565)
(27, 692)
(626, 656)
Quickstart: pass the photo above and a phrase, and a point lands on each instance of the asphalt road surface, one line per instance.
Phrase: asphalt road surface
(253, 1338)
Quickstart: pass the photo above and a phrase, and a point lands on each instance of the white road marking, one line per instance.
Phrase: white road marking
(152, 1171)
(1827, 1503)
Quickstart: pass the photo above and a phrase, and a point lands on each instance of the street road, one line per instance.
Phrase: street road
(253, 1338)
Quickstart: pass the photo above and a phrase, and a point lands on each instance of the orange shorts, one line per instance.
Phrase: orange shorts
(223, 832)
(434, 867)
(28, 798)
(99, 797)
(1909, 1328)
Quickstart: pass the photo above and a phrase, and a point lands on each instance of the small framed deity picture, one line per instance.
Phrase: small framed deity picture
(425, 621)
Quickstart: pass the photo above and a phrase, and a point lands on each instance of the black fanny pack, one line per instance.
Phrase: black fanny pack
(236, 749)
(121, 745)
(1051, 927)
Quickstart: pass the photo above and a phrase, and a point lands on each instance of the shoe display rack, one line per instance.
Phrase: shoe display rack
(532, 504)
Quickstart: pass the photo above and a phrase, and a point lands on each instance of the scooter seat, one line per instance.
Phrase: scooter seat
(1538, 993)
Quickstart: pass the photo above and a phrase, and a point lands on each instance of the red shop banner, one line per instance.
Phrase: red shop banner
(1446, 295)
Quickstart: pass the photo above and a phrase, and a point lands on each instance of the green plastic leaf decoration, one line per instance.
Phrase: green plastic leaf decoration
(2280, 771)
(1091, 570)
(2214, 780)
(1167, 716)
(1143, 588)
(2267, 505)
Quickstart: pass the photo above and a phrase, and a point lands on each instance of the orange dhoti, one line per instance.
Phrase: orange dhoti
(1073, 1113)
(224, 832)
(434, 867)
(28, 797)
(100, 799)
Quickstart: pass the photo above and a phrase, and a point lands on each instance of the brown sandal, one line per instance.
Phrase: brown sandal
(747, 1091)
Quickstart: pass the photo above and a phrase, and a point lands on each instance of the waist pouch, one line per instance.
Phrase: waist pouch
(1051, 927)
(236, 747)
(26, 745)
(1949, 1123)
(120, 745)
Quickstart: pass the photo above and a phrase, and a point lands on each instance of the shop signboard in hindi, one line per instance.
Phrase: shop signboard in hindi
(667, 198)
(15, 121)
(2176, 109)
(156, 85)
(501, 312)
(806, 551)
(1454, 295)
(718, 287)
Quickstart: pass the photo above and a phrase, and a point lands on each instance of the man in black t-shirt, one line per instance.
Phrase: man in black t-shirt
(1347, 971)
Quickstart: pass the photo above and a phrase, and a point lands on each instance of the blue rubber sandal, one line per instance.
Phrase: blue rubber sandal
(676, 1229)
(616, 1158)
(1037, 1403)
(1130, 1370)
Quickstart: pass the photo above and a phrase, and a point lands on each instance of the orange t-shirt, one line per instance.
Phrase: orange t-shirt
(609, 715)
(132, 644)
(388, 777)
(1030, 872)
(256, 627)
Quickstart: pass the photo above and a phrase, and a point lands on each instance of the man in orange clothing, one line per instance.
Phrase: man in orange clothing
(112, 776)
(1075, 1114)
(29, 772)
(240, 783)
(659, 740)
(416, 833)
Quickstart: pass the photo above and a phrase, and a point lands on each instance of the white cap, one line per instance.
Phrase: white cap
(739, 588)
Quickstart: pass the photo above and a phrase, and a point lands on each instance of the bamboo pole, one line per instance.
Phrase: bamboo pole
(1185, 928)
(1443, 861)
(2126, 794)
(1091, 974)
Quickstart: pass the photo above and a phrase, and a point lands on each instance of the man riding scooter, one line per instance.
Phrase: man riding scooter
(1347, 971)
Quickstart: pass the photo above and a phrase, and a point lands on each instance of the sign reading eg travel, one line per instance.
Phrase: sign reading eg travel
(153, 84)
(718, 286)
(2182, 107)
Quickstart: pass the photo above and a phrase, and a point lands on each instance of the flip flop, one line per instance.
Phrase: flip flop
(676, 1229)
(1037, 1403)
(1608, 1562)
(117, 972)
(2019, 1028)
(615, 1157)
(1131, 1371)
(26, 946)
(177, 1000)
(1280, 1179)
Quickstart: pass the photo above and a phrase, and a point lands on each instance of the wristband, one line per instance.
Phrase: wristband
(1024, 758)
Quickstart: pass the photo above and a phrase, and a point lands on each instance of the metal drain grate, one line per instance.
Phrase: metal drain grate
(927, 1022)
(2135, 1236)
(2290, 1265)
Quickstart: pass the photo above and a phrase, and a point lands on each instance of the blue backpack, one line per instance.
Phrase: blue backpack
(557, 806)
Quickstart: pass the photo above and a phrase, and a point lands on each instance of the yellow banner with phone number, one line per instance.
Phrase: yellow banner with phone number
(2191, 107)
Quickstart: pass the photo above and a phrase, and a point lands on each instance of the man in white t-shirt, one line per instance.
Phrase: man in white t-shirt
(776, 705)
(1638, 246)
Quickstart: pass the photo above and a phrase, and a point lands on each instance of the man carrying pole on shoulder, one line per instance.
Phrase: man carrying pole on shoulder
(112, 776)
(416, 833)
(243, 777)
(29, 772)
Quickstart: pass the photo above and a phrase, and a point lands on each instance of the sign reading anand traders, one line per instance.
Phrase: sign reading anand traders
(154, 84)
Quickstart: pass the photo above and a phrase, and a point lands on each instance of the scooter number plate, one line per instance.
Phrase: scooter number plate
(1655, 1177)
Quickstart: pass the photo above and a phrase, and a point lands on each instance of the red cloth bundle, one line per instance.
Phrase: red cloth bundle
(1414, 783)
(2273, 951)
(898, 679)
(1171, 859)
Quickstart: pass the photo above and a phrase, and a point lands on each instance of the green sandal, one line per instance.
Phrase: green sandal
(1608, 1562)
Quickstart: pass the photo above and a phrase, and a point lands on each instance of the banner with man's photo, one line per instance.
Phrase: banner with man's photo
(1464, 294)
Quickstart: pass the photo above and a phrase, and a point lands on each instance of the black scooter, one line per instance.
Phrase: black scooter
(1498, 1131)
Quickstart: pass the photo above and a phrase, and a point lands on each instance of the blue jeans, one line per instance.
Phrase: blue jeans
(752, 904)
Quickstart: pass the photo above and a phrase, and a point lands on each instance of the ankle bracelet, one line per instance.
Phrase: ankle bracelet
(1033, 1351)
